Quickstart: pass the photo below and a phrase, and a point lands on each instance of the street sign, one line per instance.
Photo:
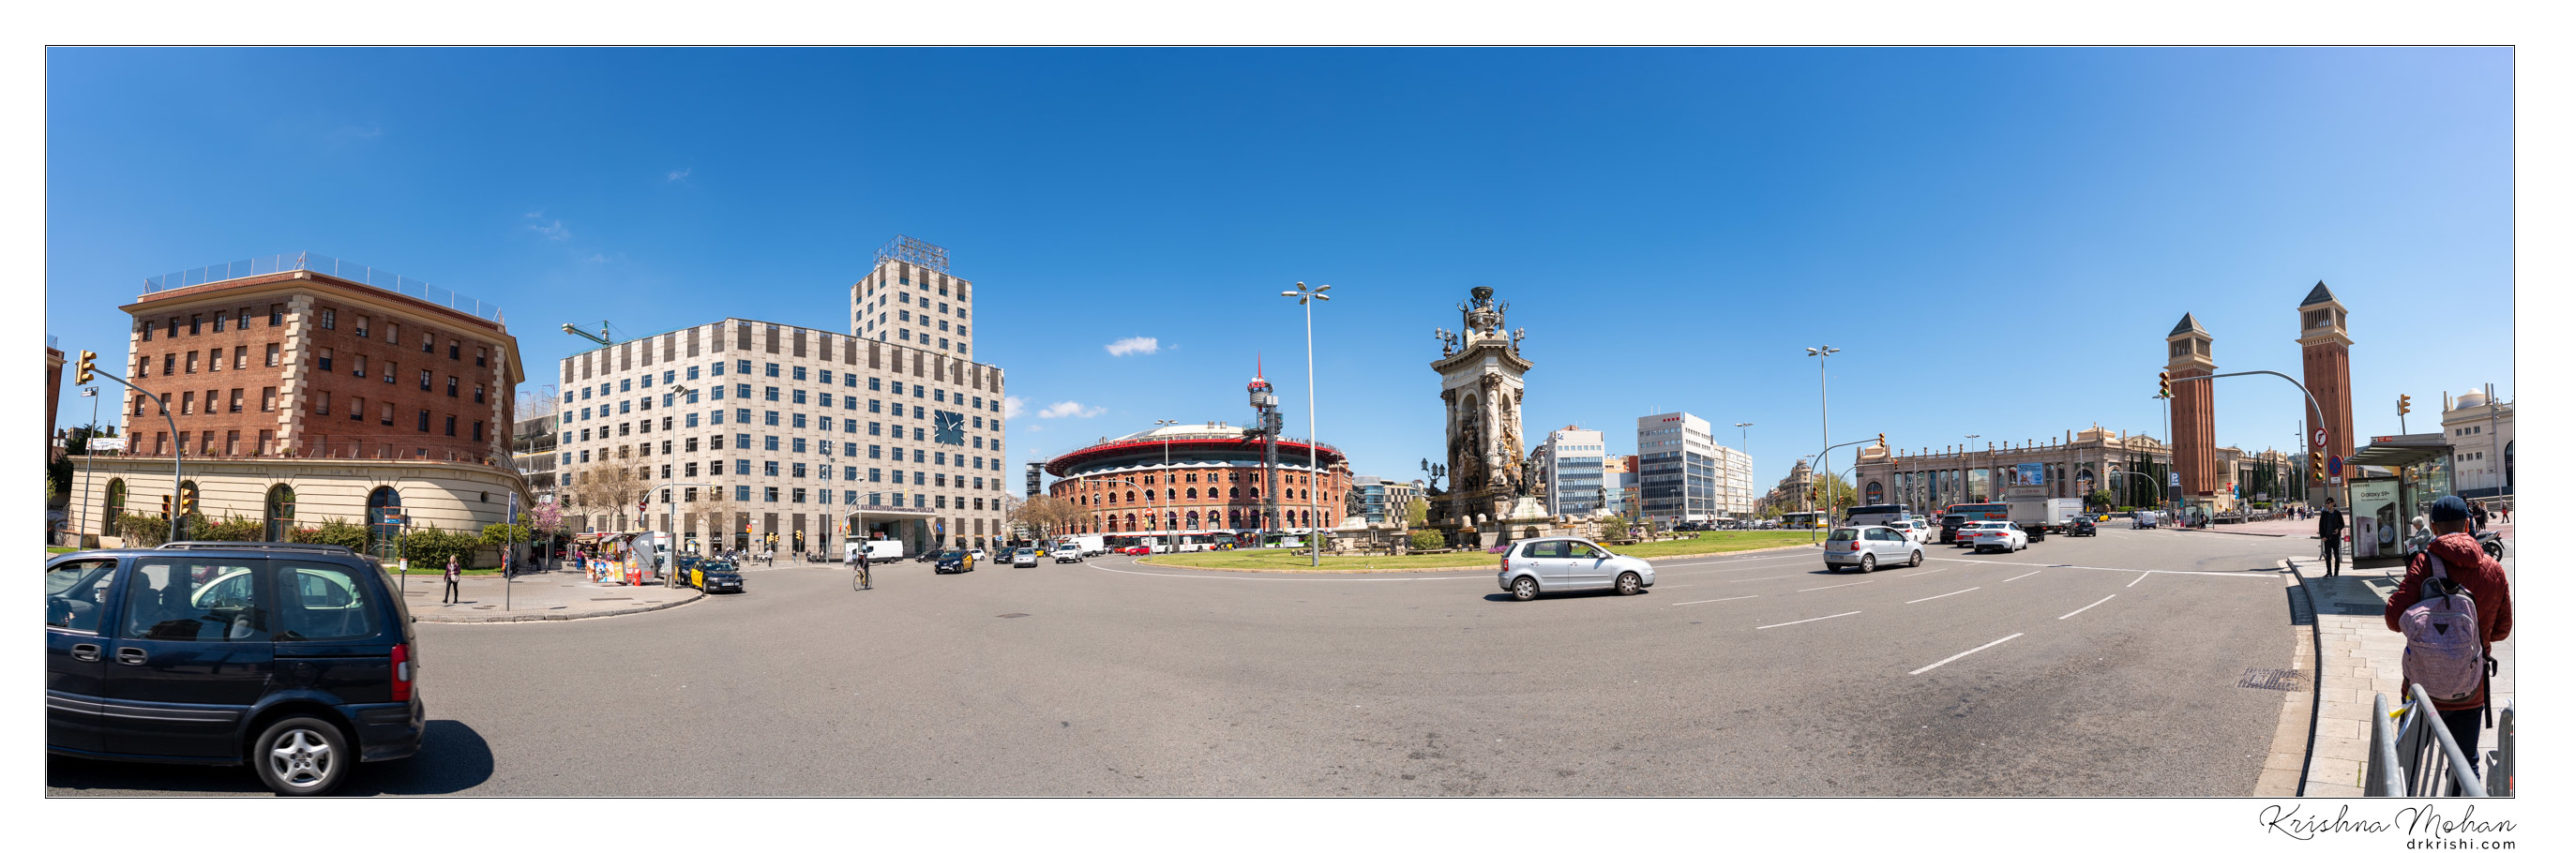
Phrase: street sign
(2334, 468)
(107, 443)
(2173, 479)
(2320, 436)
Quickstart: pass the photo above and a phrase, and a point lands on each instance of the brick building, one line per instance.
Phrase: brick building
(299, 371)
(1199, 479)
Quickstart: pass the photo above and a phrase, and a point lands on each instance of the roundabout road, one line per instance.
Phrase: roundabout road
(2091, 667)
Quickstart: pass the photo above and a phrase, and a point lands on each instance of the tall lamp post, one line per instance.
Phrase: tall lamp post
(1823, 354)
(89, 463)
(1167, 470)
(1309, 298)
(1746, 448)
(1966, 459)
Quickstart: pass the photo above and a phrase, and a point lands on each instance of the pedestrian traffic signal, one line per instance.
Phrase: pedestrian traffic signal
(2404, 404)
(88, 365)
(2164, 383)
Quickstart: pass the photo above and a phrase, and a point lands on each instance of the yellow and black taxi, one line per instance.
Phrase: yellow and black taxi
(715, 576)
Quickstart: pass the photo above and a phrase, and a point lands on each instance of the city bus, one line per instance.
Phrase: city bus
(1878, 514)
(1955, 516)
(1804, 521)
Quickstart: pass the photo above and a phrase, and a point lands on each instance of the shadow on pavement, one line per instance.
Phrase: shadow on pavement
(454, 759)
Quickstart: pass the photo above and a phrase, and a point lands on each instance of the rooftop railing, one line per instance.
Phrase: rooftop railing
(323, 264)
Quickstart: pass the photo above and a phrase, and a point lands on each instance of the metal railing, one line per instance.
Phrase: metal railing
(2423, 763)
(360, 273)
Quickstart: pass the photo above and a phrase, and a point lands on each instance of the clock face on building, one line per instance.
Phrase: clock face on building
(946, 428)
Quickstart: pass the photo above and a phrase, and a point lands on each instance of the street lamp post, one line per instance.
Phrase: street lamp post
(1965, 458)
(1823, 354)
(1167, 471)
(88, 464)
(1308, 299)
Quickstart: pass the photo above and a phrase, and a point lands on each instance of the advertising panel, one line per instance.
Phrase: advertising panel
(2031, 474)
(2375, 517)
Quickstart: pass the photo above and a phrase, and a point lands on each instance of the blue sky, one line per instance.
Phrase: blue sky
(2021, 226)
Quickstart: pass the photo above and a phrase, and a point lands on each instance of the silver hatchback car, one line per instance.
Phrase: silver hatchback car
(1561, 563)
(1864, 547)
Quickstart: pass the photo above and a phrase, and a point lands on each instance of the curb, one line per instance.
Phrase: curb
(2319, 663)
(565, 617)
(2236, 532)
(1143, 561)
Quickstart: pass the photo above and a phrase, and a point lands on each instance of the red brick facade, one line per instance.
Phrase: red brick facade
(2324, 370)
(2191, 440)
(269, 366)
(1198, 499)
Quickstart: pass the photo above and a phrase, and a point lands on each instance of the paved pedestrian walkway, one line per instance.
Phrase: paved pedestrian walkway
(2307, 528)
(2359, 657)
(535, 597)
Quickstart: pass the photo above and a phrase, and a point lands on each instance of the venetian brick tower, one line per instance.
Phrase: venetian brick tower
(2324, 373)
(2191, 409)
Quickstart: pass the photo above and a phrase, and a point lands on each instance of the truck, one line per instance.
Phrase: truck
(1090, 543)
(885, 550)
(2039, 516)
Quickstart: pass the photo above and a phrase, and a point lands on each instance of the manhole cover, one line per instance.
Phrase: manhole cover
(1011, 615)
(2272, 679)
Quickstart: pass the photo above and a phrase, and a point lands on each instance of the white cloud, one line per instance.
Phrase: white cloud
(1013, 407)
(680, 174)
(557, 230)
(1070, 409)
(1035, 428)
(1125, 346)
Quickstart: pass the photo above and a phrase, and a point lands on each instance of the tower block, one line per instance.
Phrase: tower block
(2325, 374)
(2191, 410)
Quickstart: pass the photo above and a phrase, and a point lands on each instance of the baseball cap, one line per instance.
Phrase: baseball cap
(2449, 510)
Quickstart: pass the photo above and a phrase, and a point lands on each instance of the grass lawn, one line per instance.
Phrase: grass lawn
(51, 550)
(1716, 542)
(1281, 559)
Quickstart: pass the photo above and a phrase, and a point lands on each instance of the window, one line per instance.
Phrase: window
(453, 349)
(274, 352)
(773, 393)
(320, 403)
(217, 322)
(326, 355)
(201, 600)
(426, 380)
(773, 494)
(799, 421)
(191, 361)
(452, 386)
(328, 318)
(267, 400)
(427, 342)
(798, 373)
(355, 408)
(773, 369)
(773, 443)
(364, 326)
(772, 418)
(800, 470)
(390, 372)
(479, 393)
(422, 420)
(391, 332)
(772, 468)
(742, 491)
(715, 468)
(476, 434)
(275, 314)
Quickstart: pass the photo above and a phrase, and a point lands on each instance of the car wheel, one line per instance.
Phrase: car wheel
(2495, 552)
(302, 757)
(1524, 589)
(1629, 584)
(1916, 554)
(1866, 564)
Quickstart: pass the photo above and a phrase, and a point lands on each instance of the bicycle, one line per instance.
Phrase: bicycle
(862, 574)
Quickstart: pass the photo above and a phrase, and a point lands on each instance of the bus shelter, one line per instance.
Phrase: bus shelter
(2397, 477)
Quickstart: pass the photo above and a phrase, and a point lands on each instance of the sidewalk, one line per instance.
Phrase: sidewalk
(2308, 528)
(537, 597)
(2359, 656)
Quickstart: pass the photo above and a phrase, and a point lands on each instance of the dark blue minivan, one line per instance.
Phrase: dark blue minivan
(297, 660)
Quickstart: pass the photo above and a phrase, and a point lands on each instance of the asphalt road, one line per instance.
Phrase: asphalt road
(2089, 667)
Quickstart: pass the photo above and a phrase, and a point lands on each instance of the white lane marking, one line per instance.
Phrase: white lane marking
(2085, 609)
(1209, 575)
(2021, 576)
(1967, 652)
(1714, 600)
(2260, 575)
(1929, 572)
(1814, 619)
(1936, 597)
(1834, 586)
(2137, 579)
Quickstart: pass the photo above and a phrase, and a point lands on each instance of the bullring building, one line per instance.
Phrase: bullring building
(1205, 481)
(740, 429)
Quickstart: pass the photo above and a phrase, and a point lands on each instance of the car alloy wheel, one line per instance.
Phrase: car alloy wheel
(1629, 584)
(301, 757)
(1866, 564)
(1916, 554)
(1524, 589)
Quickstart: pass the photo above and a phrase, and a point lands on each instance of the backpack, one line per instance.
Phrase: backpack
(2443, 633)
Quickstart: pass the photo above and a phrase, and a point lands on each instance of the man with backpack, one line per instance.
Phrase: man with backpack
(2451, 605)
(2332, 523)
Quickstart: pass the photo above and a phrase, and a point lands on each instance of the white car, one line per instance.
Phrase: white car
(1914, 529)
(1561, 563)
(1996, 534)
(1067, 554)
(1026, 557)
(977, 555)
(1864, 546)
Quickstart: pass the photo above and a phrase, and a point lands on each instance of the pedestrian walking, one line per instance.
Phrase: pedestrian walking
(452, 580)
(2458, 556)
(2332, 523)
(2479, 518)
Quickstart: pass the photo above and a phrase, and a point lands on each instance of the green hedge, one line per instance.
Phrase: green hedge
(143, 531)
(1428, 540)
(330, 532)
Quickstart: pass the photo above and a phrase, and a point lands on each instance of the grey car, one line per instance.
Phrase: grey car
(1563, 563)
(1865, 546)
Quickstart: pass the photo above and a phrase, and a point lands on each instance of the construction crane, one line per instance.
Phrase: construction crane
(605, 340)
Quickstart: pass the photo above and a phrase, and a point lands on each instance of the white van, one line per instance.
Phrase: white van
(885, 550)
(1067, 553)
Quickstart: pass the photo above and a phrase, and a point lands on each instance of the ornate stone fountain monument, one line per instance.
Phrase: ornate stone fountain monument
(1494, 487)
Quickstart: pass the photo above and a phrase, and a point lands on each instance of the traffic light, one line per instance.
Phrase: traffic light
(1880, 440)
(2404, 404)
(89, 365)
(164, 506)
(2319, 466)
(2164, 383)
(186, 503)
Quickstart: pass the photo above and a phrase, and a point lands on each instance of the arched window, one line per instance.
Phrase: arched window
(1191, 494)
(114, 512)
(1191, 521)
(1114, 499)
(1129, 522)
(1133, 496)
(1151, 496)
(279, 511)
(1288, 494)
(382, 527)
(1213, 493)
(1213, 519)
